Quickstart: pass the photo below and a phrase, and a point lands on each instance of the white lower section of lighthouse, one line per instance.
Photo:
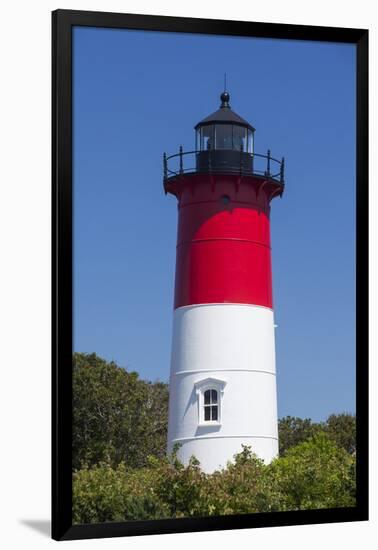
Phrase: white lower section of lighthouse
(223, 383)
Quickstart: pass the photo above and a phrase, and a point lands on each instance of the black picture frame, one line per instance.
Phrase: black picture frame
(62, 23)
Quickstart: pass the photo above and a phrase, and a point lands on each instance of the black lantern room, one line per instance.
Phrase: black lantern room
(224, 144)
(224, 141)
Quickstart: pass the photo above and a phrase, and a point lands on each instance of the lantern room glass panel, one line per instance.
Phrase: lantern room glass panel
(206, 140)
(239, 138)
(223, 136)
(250, 137)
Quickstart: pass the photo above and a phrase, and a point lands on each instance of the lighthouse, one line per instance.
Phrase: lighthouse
(223, 373)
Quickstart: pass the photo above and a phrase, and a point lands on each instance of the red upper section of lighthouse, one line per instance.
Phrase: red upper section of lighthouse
(223, 242)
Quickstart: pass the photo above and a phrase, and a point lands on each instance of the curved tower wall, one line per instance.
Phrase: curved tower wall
(223, 329)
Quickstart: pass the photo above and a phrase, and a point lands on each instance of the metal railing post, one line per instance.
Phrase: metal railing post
(267, 172)
(165, 166)
(282, 173)
(181, 162)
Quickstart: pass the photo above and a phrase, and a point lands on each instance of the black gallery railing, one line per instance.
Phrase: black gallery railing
(242, 163)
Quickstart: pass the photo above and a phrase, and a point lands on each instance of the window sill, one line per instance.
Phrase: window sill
(209, 423)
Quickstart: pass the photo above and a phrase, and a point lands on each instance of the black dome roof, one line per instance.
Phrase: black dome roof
(224, 115)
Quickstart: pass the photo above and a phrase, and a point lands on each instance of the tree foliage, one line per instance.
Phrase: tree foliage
(340, 428)
(121, 471)
(312, 475)
(116, 416)
(293, 430)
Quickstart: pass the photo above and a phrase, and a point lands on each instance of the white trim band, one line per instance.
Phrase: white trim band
(223, 304)
(195, 371)
(224, 437)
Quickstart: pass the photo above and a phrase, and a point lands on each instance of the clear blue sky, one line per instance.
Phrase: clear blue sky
(138, 94)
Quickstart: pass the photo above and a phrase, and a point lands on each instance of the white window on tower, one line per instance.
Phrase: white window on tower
(209, 400)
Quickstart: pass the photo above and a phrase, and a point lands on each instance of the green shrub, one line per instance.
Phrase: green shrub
(313, 474)
(103, 493)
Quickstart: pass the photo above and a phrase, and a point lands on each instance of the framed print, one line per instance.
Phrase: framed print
(210, 246)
